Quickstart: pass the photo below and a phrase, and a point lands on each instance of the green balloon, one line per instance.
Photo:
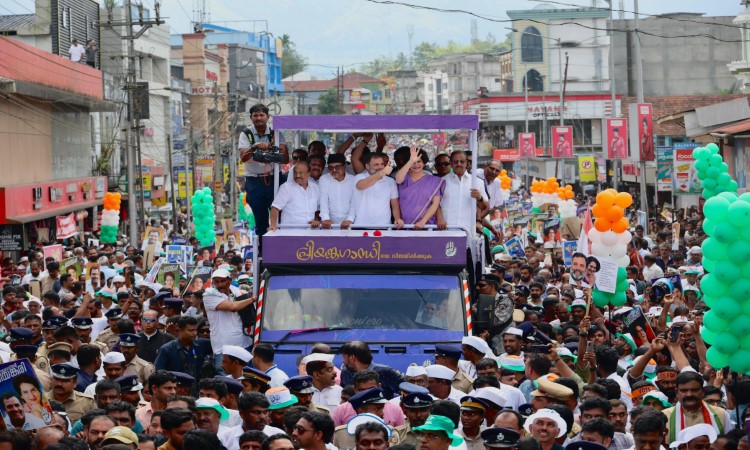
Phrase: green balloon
(701, 153)
(740, 360)
(619, 298)
(727, 308)
(716, 208)
(713, 148)
(731, 196)
(710, 183)
(711, 172)
(708, 193)
(701, 164)
(716, 358)
(726, 343)
(740, 326)
(715, 323)
(622, 274)
(709, 265)
(744, 341)
(710, 283)
(723, 178)
(708, 336)
(732, 186)
(709, 226)
(715, 160)
(740, 290)
(738, 213)
(725, 233)
(727, 271)
(739, 252)
(600, 298)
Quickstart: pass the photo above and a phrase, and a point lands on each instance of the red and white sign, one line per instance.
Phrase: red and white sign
(527, 144)
(642, 132)
(66, 226)
(506, 154)
(617, 138)
(562, 142)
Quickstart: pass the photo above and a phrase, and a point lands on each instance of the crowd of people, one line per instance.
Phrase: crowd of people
(123, 363)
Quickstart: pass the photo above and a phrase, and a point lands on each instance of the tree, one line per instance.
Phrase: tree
(291, 60)
(328, 103)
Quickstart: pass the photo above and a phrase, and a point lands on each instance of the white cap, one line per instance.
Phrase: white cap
(694, 250)
(156, 287)
(318, 357)
(32, 300)
(690, 433)
(514, 331)
(359, 419)
(24, 259)
(221, 273)
(655, 310)
(438, 371)
(113, 358)
(579, 294)
(678, 319)
(118, 279)
(578, 303)
(238, 352)
(491, 394)
(549, 414)
(477, 343)
(564, 351)
(415, 371)
(244, 276)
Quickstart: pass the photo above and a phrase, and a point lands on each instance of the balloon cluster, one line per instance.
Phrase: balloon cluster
(244, 212)
(110, 217)
(505, 183)
(81, 215)
(204, 216)
(726, 258)
(713, 171)
(566, 205)
(609, 239)
(543, 192)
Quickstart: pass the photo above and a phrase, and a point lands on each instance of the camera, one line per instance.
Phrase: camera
(270, 155)
(660, 288)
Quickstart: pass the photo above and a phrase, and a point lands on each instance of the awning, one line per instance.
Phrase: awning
(731, 128)
(47, 213)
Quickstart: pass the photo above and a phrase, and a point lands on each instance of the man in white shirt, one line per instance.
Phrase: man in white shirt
(298, 199)
(34, 274)
(320, 367)
(492, 183)
(76, 51)
(336, 191)
(651, 270)
(376, 197)
(457, 207)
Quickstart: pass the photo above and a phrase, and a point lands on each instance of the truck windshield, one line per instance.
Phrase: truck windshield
(393, 302)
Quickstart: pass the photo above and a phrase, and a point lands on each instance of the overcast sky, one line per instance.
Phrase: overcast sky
(350, 32)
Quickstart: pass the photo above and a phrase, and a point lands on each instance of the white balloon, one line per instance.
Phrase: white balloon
(599, 249)
(609, 238)
(624, 238)
(618, 251)
(595, 235)
(624, 261)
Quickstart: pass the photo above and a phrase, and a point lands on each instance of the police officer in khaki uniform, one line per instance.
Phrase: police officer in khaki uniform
(49, 327)
(448, 355)
(371, 402)
(83, 327)
(254, 380)
(110, 336)
(64, 379)
(416, 402)
(498, 437)
(472, 419)
(302, 387)
(133, 364)
(23, 336)
(60, 353)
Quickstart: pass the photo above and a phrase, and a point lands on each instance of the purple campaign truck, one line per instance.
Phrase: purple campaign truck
(400, 291)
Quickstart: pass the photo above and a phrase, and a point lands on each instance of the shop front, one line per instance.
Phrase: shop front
(35, 214)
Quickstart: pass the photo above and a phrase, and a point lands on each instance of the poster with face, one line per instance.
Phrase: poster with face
(52, 251)
(169, 277)
(562, 142)
(71, 266)
(201, 279)
(25, 405)
(230, 241)
(617, 138)
(527, 144)
(153, 236)
(645, 132)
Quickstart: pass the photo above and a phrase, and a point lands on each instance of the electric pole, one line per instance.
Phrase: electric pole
(130, 87)
(639, 85)
(218, 162)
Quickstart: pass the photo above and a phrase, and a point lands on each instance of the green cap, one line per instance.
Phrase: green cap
(441, 423)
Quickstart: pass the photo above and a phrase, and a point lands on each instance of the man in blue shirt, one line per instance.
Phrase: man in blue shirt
(187, 353)
(358, 357)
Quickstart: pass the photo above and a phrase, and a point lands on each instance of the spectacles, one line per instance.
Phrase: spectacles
(300, 430)
(298, 158)
(335, 168)
(148, 320)
(429, 436)
(481, 285)
(443, 164)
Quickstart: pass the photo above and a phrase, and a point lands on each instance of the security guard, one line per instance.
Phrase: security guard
(448, 356)
(472, 418)
(130, 390)
(185, 383)
(417, 406)
(133, 364)
(371, 402)
(20, 337)
(302, 387)
(83, 326)
(498, 437)
(60, 353)
(29, 352)
(64, 378)
(254, 380)
(110, 336)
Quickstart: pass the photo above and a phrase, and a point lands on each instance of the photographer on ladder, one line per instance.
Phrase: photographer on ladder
(259, 152)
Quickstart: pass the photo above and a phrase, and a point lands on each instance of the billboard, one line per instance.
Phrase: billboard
(664, 165)
(617, 138)
(686, 181)
(527, 144)
(562, 142)
(641, 132)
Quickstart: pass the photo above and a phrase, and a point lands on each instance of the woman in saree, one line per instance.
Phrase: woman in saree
(419, 191)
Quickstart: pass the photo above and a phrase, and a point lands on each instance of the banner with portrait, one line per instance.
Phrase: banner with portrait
(71, 266)
(527, 144)
(617, 138)
(25, 405)
(562, 142)
(200, 279)
(169, 277)
(641, 132)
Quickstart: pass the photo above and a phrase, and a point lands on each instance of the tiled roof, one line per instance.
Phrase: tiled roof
(674, 104)
(352, 80)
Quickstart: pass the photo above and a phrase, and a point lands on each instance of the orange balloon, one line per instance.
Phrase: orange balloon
(597, 210)
(614, 213)
(568, 188)
(605, 199)
(569, 195)
(621, 225)
(602, 224)
(623, 200)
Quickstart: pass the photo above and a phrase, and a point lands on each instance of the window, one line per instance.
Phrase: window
(65, 18)
(531, 45)
(534, 81)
